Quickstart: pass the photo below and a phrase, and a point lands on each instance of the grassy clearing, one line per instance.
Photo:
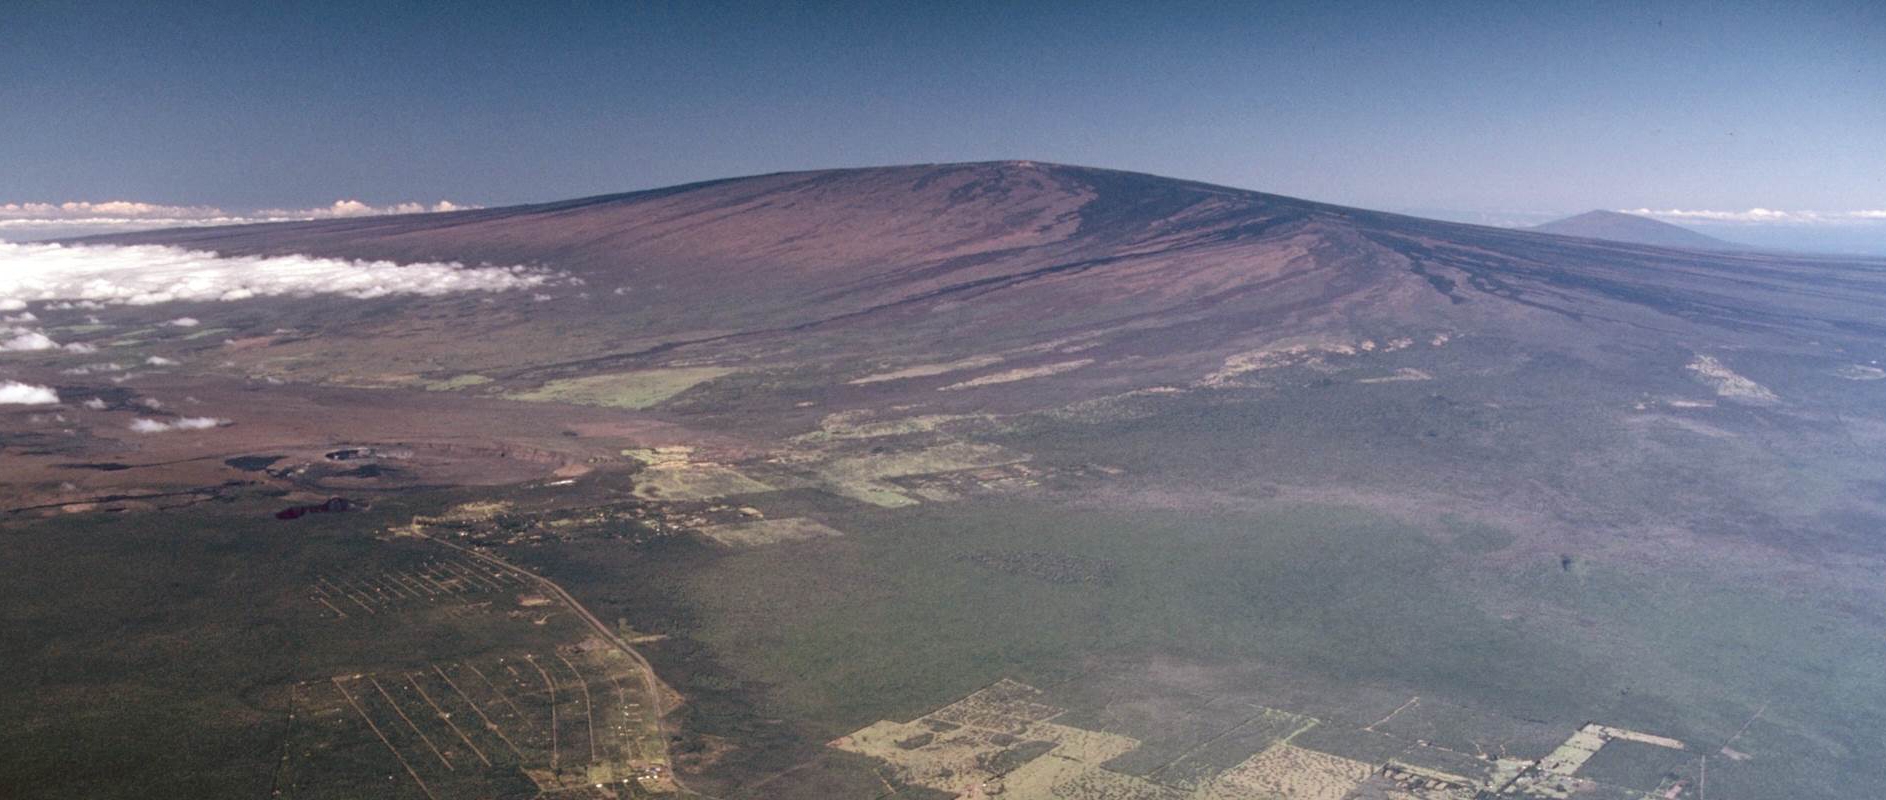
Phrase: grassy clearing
(864, 424)
(456, 382)
(862, 477)
(640, 389)
(768, 531)
(927, 370)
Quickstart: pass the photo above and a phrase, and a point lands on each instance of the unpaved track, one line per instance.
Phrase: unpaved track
(649, 680)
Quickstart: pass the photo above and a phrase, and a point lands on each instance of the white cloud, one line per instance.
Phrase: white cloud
(10, 304)
(24, 394)
(160, 361)
(184, 322)
(92, 368)
(108, 208)
(95, 404)
(14, 340)
(142, 425)
(355, 208)
(1762, 216)
(93, 275)
(79, 218)
(348, 208)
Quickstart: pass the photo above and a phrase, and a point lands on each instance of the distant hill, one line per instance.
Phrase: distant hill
(1616, 227)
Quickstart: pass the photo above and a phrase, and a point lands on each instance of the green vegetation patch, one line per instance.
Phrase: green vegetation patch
(864, 424)
(758, 532)
(862, 477)
(456, 382)
(640, 389)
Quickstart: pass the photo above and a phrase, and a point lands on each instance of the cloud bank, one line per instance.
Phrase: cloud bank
(96, 276)
(26, 394)
(1763, 216)
(79, 218)
(150, 274)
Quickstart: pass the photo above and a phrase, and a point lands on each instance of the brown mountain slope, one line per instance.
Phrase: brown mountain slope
(915, 263)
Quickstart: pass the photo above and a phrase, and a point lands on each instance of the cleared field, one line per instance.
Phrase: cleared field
(694, 481)
(1286, 771)
(768, 531)
(1206, 764)
(998, 740)
(639, 389)
(1006, 739)
(863, 477)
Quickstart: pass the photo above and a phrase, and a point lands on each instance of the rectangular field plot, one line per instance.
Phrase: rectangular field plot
(1355, 744)
(1204, 763)
(1006, 706)
(755, 533)
(1638, 765)
(1469, 731)
(694, 481)
(512, 726)
(997, 742)
(1169, 723)
(1286, 771)
(866, 477)
(1391, 785)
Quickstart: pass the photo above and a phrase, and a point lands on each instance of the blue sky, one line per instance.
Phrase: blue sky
(1497, 111)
